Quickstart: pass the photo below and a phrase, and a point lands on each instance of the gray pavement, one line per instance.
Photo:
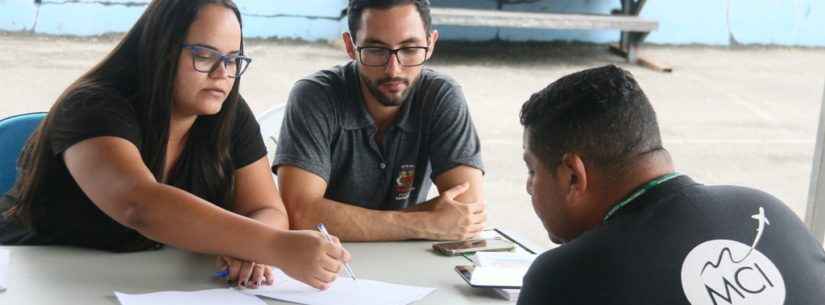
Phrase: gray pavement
(729, 116)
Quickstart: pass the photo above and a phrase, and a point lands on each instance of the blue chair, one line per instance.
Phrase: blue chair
(14, 132)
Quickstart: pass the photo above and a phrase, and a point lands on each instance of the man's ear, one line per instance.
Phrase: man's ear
(433, 39)
(575, 177)
(349, 46)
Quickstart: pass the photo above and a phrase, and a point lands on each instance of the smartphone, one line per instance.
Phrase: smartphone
(474, 245)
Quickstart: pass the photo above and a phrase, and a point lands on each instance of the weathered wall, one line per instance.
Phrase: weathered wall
(714, 22)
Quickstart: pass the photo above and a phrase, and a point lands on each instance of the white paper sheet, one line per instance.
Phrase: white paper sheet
(203, 297)
(5, 262)
(343, 291)
(503, 259)
(500, 268)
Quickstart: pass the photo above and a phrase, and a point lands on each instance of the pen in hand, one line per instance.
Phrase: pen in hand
(222, 274)
(324, 232)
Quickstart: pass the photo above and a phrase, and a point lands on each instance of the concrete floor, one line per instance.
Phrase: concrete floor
(729, 116)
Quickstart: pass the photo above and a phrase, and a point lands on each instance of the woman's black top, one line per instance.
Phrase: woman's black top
(66, 216)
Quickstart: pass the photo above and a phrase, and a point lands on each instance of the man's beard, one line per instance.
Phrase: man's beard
(382, 98)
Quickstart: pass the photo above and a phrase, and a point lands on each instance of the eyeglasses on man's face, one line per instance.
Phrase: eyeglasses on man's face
(380, 56)
(206, 60)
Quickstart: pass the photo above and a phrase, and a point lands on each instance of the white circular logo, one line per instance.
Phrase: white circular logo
(721, 271)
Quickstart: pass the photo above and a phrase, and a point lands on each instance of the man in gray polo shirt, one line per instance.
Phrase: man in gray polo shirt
(362, 142)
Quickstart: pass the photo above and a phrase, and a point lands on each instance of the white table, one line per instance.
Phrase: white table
(65, 275)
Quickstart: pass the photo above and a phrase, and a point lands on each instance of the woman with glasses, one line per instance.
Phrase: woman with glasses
(154, 145)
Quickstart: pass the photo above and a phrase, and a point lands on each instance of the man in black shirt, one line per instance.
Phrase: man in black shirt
(632, 230)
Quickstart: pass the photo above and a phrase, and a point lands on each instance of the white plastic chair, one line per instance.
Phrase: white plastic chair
(270, 122)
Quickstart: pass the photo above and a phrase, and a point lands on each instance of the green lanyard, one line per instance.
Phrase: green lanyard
(653, 183)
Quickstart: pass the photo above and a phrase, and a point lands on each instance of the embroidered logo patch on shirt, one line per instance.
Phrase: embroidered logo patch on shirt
(404, 182)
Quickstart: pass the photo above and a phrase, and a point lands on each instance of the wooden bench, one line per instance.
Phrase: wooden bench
(633, 28)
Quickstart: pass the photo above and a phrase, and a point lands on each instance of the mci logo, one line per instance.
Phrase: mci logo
(727, 272)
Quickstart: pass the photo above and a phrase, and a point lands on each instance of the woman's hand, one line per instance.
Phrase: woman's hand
(310, 258)
(246, 274)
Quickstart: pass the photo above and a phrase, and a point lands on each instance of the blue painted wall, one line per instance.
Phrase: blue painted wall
(714, 22)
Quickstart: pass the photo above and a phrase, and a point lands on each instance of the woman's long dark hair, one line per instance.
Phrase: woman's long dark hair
(142, 69)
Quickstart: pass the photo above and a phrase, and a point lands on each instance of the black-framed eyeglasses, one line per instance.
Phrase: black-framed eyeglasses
(380, 56)
(206, 60)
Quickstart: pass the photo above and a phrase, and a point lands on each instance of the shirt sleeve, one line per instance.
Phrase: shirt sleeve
(565, 277)
(307, 132)
(538, 287)
(247, 143)
(454, 140)
(90, 115)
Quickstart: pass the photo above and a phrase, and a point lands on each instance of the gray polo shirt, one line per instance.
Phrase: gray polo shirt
(328, 131)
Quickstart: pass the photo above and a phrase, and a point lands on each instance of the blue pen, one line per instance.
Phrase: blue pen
(324, 232)
(222, 274)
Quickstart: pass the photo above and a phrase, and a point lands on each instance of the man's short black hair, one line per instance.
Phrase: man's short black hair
(600, 114)
(357, 7)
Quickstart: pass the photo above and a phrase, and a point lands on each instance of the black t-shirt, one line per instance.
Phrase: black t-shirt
(68, 216)
(686, 243)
